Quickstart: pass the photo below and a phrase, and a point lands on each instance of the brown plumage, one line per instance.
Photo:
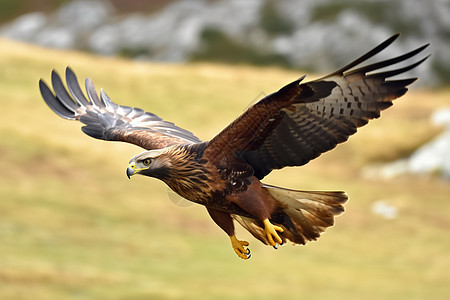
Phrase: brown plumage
(287, 128)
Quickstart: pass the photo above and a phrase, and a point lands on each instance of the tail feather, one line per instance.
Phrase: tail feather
(303, 215)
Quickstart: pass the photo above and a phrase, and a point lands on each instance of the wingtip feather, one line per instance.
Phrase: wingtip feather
(74, 87)
(54, 103)
(92, 93)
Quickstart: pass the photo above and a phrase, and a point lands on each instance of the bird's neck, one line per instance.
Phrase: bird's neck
(188, 175)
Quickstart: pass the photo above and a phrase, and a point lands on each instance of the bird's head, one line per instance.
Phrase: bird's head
(153, 163)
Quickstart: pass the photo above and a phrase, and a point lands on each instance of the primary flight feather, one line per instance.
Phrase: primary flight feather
(286, 128)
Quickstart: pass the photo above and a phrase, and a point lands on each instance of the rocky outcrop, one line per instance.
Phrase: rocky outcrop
(315, 34)
(431, 159)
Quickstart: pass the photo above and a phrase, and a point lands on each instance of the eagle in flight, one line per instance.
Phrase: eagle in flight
(286, 128)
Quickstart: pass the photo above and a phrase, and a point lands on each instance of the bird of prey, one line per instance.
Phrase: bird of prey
(286, 128)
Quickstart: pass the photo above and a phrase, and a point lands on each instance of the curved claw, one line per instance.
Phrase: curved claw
(248, 253)
(278, 245)
(240, 247)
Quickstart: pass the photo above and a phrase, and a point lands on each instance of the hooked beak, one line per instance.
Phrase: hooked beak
(130, 170)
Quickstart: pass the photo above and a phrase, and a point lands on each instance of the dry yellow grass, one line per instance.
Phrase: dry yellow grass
(73, 226)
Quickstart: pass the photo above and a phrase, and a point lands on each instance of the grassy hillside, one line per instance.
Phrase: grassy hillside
(72, 226)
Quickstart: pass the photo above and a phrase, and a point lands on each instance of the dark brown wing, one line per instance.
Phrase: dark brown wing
(301, 121)
(108, 121)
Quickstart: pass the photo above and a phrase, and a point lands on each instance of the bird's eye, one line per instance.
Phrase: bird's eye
(146, 161)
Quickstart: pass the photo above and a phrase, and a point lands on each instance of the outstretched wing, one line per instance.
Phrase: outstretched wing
(108, 121)
(299, 122)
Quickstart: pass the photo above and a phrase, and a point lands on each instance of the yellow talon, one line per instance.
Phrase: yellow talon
(239, 247)
(271, 233)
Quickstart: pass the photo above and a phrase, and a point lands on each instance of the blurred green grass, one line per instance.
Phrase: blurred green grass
(73, 227)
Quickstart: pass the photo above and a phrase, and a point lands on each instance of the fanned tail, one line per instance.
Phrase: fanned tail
(303, 215)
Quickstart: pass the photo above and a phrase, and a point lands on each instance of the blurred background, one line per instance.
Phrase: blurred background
(295, 34)
(72, 226)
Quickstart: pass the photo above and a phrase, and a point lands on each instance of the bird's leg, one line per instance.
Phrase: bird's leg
(225, 222)
(240, 247)
(260, 204)
(271, 233)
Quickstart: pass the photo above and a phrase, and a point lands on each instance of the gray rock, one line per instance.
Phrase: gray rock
(432, 158)
(83, 15)
(56, 37)
(25, 27)
(174, 33)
